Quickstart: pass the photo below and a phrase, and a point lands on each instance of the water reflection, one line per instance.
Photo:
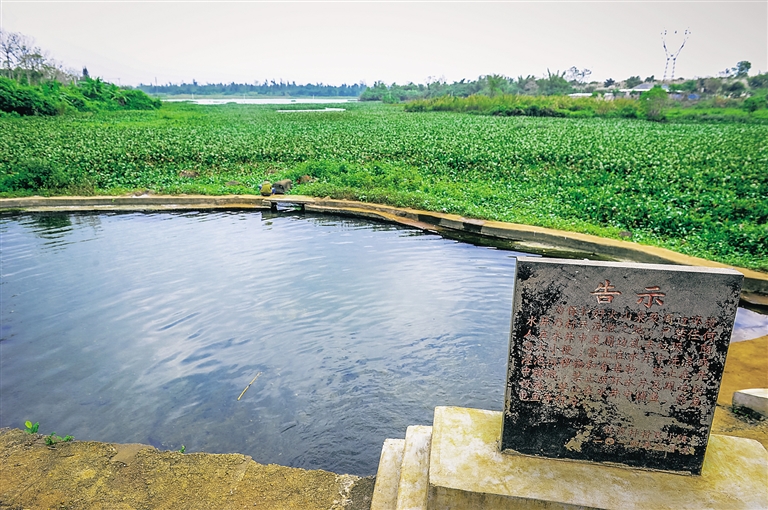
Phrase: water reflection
(51, 226)
(147, 327)
(158, 321)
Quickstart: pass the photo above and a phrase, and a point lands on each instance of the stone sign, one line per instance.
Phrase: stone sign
(615, 362)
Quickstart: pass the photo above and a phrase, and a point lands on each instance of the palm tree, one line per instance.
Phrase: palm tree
(495, 84)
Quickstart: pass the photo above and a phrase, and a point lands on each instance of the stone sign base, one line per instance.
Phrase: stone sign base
(467, 471)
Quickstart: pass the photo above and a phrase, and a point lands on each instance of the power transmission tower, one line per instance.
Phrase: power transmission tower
(672, 56)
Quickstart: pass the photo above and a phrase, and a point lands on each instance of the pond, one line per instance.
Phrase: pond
(134, 327)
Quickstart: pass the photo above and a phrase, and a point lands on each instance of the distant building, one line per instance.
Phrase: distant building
(643, 87)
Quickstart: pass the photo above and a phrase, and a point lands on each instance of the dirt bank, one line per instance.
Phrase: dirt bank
(88, 474)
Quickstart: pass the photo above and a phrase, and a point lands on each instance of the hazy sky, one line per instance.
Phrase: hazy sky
(347, 42)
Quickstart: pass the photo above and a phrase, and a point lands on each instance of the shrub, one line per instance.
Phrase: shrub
(23, 99)
(759, 81)
(654, 103)
(32, 175)
(72, 97)
(51, 98)
(755, 102)
(134, 99)
(735, 88)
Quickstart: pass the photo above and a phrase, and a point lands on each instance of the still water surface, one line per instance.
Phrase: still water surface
(146, 328)
(264, 100)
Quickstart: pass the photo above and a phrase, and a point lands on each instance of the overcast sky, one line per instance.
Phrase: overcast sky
(134, 42)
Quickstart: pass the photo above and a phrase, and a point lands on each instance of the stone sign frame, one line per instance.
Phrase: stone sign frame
(617, 362)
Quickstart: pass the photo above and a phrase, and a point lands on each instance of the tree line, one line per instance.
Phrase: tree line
(32, 83)
(732, 83)
(268, 88)
(23, 62)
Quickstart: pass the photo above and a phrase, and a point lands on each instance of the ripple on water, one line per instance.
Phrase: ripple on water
(146, 328)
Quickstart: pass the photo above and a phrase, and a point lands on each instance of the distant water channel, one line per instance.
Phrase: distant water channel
(263, 100)
(146, 328)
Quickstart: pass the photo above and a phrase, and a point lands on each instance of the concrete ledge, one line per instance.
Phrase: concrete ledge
(388, 475)
(755, 400)
(467, 471)
(141, 201)
(412, 490)
(755, 288)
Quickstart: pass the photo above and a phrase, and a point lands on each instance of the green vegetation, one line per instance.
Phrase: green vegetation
(36, 174)
(490, 85)
(531, 106)
(735, 84)
(86, 95)
(654, 104)
(33, 84)
(731, 98)
(50, 440)
(697, 188)
(53, 439)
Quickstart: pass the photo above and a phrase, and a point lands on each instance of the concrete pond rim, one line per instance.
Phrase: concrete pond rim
(540, 240)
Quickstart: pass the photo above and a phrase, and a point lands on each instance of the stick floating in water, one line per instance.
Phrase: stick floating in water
(249, 385)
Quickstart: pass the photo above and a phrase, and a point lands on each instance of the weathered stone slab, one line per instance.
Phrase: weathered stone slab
(615, 362)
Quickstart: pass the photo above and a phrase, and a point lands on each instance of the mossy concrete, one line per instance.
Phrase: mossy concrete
(466, 471)
(754, 290)
(752, 400)
(745, 367)
(388, 475)
(412, 489)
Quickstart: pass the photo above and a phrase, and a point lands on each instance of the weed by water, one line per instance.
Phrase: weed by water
(53, 439)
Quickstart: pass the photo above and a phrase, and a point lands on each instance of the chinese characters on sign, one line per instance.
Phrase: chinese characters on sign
(616, 362)
(605, 292)
(651, 297)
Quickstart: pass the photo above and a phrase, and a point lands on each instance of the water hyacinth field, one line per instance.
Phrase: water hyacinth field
(697, 188)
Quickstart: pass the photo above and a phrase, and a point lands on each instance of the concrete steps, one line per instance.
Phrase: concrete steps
(388, 475)
(456, 464)
(402, 482)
